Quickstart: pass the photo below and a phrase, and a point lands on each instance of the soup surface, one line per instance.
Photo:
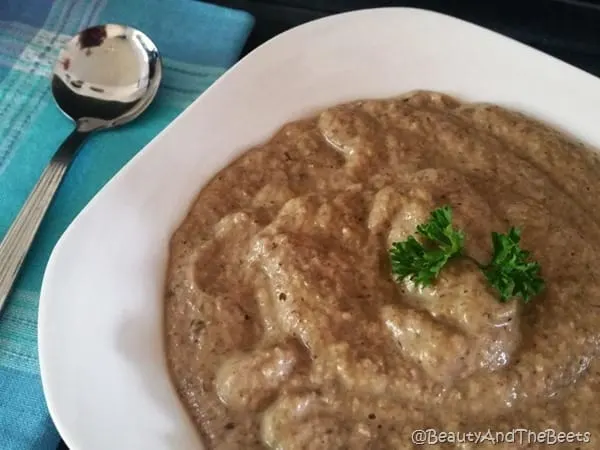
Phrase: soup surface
(285, 328)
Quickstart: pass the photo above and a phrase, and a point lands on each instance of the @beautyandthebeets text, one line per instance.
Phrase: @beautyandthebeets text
(517, 436)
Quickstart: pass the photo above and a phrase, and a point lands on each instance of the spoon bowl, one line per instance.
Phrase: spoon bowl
(105, 76)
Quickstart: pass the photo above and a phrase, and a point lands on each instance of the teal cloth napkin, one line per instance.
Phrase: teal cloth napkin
(198, 42)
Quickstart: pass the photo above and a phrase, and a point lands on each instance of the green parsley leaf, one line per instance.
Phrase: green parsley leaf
(438, 229)
(423, 263)
(510, 271)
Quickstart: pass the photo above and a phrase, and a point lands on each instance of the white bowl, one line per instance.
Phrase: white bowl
(100, 318)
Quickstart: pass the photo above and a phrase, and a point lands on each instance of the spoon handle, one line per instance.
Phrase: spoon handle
(18, 239)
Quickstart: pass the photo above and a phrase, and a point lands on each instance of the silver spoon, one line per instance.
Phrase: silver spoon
(105, 76)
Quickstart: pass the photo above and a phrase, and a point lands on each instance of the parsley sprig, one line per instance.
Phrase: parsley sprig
(510, 271)
(423, 263)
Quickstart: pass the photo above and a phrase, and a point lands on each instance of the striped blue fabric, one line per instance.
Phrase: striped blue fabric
(198, 42)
